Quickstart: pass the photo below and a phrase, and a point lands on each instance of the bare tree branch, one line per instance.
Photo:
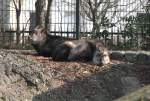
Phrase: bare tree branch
(15, 4)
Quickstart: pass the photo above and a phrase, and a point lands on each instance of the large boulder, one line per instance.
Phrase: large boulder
(142, 94)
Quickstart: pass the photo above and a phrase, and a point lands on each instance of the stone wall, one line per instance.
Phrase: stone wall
(142, 57)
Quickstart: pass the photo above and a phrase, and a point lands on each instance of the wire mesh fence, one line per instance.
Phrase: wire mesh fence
(123, 23)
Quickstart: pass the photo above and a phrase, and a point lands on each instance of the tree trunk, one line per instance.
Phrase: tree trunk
(94, 27)
(40, 12)
(18, 13)
(48, 15)
(18, 29)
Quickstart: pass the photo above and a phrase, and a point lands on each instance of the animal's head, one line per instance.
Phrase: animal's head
(101, 49)
(38, 35)
(101, 55)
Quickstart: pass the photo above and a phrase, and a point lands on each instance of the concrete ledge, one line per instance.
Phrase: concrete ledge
(131, 56)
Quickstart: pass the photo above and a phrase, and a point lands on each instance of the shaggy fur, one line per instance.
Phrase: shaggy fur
(63, 49)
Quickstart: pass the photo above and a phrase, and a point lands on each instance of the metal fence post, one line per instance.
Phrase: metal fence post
(77, 19)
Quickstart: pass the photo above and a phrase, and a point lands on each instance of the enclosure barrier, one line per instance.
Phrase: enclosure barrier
(141, 57)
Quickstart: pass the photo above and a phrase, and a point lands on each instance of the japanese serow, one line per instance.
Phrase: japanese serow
(63, 49)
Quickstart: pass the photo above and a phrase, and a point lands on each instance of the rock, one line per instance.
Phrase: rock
(130, 84)
(16, 74)
(143, 58)
(143, 94)
(117, 55)
(130, 57)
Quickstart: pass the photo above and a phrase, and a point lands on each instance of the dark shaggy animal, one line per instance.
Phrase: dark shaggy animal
(63, 49)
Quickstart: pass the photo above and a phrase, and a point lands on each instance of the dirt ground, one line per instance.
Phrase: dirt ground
(78, 69)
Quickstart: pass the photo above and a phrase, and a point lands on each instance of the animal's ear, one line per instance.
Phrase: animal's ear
(99, 44)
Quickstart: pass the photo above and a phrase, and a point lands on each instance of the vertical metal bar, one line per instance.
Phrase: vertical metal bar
(77, 19)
